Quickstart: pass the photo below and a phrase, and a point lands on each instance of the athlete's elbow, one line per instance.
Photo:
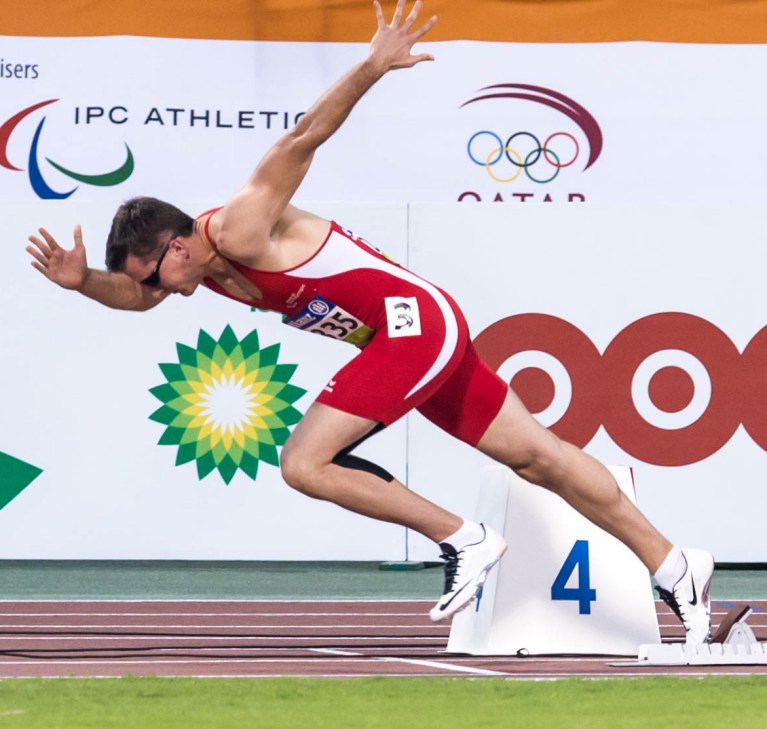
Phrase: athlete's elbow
(301, 142)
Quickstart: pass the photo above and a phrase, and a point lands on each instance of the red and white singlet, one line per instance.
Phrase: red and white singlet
(414, 341)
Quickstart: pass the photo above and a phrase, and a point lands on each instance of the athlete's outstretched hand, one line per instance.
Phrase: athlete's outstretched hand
(392, 43)
(67, 268)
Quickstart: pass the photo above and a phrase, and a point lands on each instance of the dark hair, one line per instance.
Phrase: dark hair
(137, 229)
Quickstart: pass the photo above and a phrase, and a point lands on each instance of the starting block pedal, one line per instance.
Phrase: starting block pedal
(735, 620)
(734, 643)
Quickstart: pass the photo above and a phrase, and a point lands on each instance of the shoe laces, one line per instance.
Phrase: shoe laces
(670, 600)
(451, 568)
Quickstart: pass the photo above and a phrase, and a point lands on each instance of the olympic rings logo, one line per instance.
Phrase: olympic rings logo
(670, 389)
(525, 159)
(522, 150)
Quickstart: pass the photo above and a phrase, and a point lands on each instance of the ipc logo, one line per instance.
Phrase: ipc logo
(34, 171)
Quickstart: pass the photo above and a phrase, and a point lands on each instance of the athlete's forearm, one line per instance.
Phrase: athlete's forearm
(330, 111)
(282, 169)
(116, 290)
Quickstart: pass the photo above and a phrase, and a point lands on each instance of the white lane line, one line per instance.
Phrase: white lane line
(173, 661)
(219, 601)
(343, 613)
(343, 657)
(213, 626)
(338, 638)
(548, 659)
(415, 662)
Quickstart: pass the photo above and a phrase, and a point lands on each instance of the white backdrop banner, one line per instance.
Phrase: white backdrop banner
(626, 314)
(518, 123)
(636, 332)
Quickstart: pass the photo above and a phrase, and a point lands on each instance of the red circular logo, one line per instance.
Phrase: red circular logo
(670, 389)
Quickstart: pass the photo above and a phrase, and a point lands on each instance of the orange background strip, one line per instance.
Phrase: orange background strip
(536, 21)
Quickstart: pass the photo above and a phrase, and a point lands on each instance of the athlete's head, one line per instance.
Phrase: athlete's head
(141, 226)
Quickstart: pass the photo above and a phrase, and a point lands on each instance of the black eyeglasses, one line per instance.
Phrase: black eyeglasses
(153, 279)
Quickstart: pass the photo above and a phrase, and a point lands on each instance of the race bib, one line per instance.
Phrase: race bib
(321, 316)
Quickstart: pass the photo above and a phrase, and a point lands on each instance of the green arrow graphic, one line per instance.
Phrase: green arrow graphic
(15, 476)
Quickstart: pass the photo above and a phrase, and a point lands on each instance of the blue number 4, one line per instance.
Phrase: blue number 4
(584, 594)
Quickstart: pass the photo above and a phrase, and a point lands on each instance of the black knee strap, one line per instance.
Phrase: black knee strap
(360, 464)
(345, 459)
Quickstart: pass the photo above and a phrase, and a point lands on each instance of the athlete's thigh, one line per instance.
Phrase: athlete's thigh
(468, 401)
(323, 432)
(515, 437)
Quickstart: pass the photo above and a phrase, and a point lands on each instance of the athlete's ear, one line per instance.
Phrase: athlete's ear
(180, 246)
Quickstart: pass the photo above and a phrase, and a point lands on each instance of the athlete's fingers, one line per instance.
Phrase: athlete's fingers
(44, 249)
(425, 28)
(40, 259)
(49, 239)
(412, 15)
(40, 268)
(379, 14)
(79, 236)
(421, 57)
(397, 13)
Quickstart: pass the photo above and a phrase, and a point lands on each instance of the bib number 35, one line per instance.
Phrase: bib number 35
(321, 316)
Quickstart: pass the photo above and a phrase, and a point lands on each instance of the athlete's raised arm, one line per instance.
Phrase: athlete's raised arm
(250, 216)
(69, 269)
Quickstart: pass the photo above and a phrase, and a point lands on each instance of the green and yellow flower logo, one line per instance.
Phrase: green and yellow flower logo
(227, 404)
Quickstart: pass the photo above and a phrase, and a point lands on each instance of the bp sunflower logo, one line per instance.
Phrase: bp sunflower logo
(227, 404)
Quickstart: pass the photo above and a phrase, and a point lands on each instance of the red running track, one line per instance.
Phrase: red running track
(270, 639)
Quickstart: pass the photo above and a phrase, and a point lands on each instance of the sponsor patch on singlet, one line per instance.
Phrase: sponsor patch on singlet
(402, 316)
(321, 316)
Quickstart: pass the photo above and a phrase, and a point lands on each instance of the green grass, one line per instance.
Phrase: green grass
(422, 703)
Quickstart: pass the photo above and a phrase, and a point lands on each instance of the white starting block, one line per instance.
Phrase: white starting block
(564, 586)
(734, 643)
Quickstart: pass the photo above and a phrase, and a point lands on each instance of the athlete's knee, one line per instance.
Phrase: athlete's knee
(542, 462)
(299, 472)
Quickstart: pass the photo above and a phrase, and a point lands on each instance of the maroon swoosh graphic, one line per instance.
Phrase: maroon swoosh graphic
(9, 126)
(568, 107)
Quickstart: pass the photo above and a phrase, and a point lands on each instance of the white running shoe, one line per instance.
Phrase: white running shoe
(690, 598)
(465, 572)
